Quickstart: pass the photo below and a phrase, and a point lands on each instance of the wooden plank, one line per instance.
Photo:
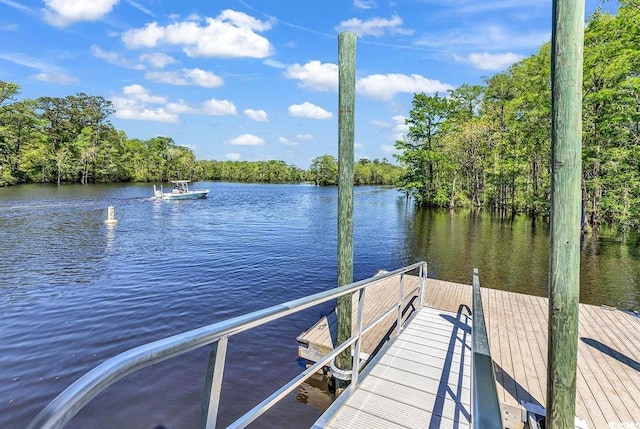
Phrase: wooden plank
(493, 331)
(613, 370)
(593, 369)
(629, 333)
(534, 372)
(508, 374)
(380, 296)
(587, 407)
(532, 321)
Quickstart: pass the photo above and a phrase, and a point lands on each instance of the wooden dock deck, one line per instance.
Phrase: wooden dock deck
(608, 377)
(321, 338)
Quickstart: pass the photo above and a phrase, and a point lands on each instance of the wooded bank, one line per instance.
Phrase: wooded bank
(485, 146)
(490, 145)
(70, 140)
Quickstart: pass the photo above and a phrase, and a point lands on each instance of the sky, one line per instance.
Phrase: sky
(257, 80)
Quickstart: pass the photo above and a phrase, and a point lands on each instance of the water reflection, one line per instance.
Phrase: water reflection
(74, 292)
(315, 392)
(512, 253)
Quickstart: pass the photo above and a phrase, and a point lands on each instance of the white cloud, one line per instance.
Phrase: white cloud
(242, 20)
(299, 138)
(374, 26)
(487, 61)
(140, 7)
(273, 63)
(140, 93)
(197, 77)
(9, 27)
(377, 123)
(256, 115)
(483, 7)
(308, 110)
(49, 73)
(400, 123)
(286, 141)
(496, 37)
(158, 60)
(114, 58)
(215, 107)
(231, 34)
(233, 156)
(388, 148)
(59, 78)
(385, 87)
(65, 12)
(364, 4)
(400, 127)
(179, 107)
(18, 6)
(358, 146)
(397, 126)
(315, 75)
(146, 114)
(138, 103)
(245, 140)
(202, 78)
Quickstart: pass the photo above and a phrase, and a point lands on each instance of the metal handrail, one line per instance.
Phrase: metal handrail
(62, 409)
(485, 408)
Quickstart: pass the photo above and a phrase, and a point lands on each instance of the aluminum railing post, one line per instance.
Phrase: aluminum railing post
(355, 369)
(213, 385)
(400, 299)
(423, 275)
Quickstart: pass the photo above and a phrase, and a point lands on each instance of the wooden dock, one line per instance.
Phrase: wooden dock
(608, 377)
(321, 338)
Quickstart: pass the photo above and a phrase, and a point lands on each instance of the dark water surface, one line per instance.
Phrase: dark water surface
(74, 292)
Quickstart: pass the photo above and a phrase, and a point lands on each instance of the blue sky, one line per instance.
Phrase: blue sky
(257, 80)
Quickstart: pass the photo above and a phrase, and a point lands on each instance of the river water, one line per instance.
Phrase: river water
(74, 292)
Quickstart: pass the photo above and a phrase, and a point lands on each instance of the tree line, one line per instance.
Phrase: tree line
(70, 140)
(489, 145)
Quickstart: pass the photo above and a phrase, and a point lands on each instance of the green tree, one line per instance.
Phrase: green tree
(324, 170)
(420, 149)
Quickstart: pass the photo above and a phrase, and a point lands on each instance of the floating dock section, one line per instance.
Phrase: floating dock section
(420, 378)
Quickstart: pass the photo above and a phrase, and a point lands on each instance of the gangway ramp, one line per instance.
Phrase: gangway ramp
(419, 380)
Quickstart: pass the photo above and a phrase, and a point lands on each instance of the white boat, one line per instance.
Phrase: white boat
(180, 191)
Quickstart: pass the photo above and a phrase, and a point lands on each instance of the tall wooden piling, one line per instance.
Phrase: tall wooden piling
(564, 267)
(346, 109)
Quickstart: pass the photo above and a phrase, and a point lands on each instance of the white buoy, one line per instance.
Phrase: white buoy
(111, 216)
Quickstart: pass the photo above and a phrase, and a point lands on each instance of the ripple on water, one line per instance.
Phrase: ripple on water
(74, 292)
